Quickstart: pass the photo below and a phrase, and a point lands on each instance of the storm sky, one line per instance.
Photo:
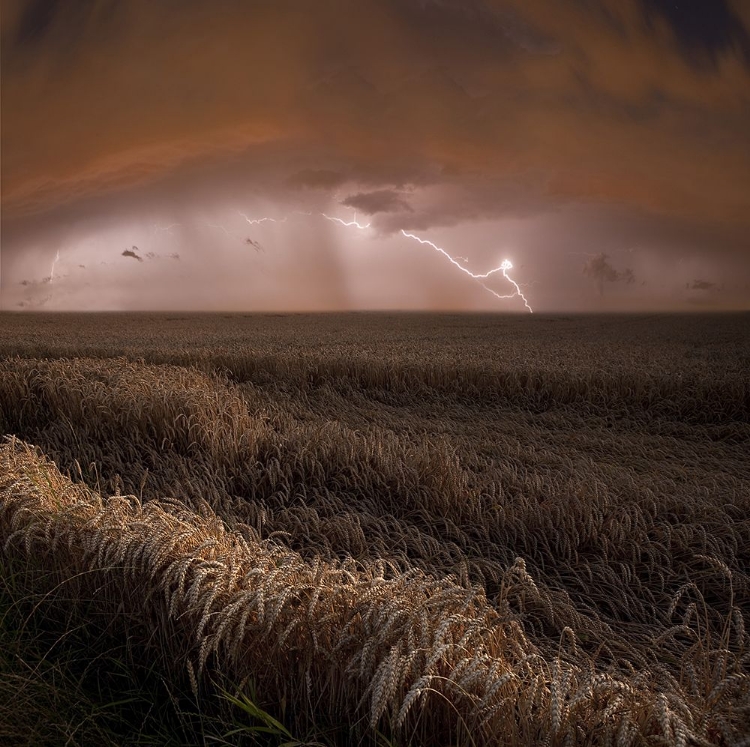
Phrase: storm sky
(602, 146)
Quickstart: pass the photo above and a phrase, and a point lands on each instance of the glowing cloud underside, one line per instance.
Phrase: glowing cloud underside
(503, 268)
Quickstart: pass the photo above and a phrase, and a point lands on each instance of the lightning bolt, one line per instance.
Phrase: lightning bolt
(508, 265)
(258, 221)
(165, 229)
(458, 261)
(226, 231)
(504, 266)
(52, 269)
(349, 224)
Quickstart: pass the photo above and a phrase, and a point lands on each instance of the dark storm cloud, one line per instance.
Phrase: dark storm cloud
(133, 253)
(380, 201)
(35, 19)
(600, 269)
(705, 28)
(477, 109)
(500, 20)
(139, 90)
(317, 179)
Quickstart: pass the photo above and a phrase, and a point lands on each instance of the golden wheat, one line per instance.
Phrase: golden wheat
(481, 547)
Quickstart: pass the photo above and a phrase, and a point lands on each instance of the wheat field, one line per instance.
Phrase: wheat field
(382, 528)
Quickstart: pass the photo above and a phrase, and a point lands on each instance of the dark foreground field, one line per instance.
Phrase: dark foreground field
(393, 529)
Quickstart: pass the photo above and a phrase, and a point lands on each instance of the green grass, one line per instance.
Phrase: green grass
(64, 679)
